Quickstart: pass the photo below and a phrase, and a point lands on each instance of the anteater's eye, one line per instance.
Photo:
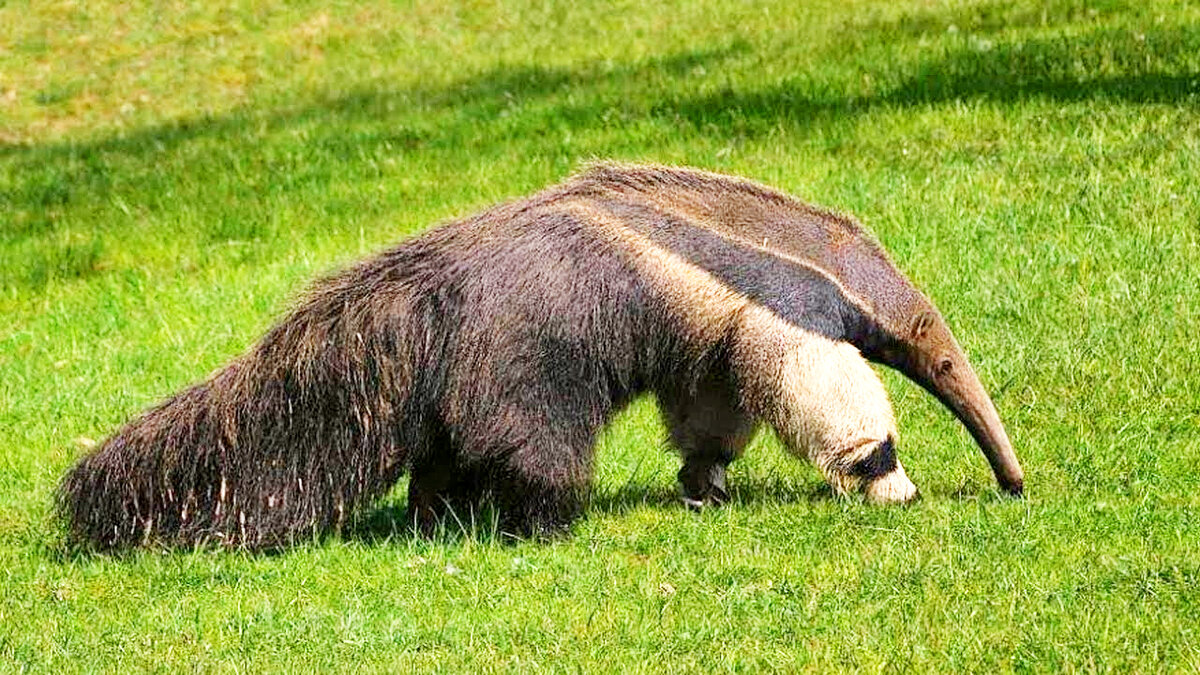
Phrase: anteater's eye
(944, 366)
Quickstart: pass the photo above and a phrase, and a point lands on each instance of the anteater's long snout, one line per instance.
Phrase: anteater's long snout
(964, 394)
(939, 365)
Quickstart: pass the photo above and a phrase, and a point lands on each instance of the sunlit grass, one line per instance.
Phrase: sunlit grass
(172, 175)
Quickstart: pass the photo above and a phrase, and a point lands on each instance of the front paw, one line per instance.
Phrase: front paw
(893, 487)
(703, 486)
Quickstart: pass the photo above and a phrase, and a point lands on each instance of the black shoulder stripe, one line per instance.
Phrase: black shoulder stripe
(797, 293)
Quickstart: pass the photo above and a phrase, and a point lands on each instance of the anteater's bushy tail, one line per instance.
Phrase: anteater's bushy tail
(282, 443)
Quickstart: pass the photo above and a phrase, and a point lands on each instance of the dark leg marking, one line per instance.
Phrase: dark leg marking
(879, 463)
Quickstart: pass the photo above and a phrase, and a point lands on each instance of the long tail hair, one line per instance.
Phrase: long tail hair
(285, 441)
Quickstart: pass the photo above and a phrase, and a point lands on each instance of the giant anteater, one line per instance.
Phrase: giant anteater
(483, 356)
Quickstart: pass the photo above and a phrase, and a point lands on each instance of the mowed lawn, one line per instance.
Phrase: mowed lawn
(172, 176)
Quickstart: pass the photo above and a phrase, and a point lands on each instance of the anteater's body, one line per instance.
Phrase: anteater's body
(483, 357)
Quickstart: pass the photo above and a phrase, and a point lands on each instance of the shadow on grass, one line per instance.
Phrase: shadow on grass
(743, 491)
(1101, 64)
(513, 112)
(514, 107)
(388, 522)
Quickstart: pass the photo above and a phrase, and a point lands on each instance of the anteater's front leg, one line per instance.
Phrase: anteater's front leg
(710, 430)
(826, 403)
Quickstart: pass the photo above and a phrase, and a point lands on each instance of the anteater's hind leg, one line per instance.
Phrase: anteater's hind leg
(710, 429)
(541, 486)
(533, 500)
(825, 402)
(443, 491)
(533, 462)
(442, 494)
(429, 482)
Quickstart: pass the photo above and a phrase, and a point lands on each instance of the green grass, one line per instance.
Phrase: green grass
(172, 175)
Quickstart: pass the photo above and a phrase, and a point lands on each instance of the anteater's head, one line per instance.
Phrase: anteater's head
(927, 353)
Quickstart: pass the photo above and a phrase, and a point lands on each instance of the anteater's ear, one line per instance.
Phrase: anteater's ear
(921, 323)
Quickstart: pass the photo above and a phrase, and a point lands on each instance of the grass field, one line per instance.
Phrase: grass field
(173, 174)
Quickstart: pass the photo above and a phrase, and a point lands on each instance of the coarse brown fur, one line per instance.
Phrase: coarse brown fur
(483, 357)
